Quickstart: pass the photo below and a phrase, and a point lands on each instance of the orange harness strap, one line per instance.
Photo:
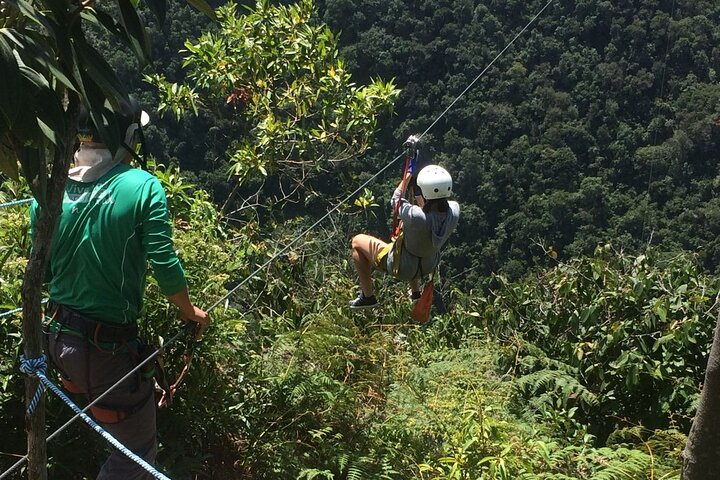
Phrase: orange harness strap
(101, 414)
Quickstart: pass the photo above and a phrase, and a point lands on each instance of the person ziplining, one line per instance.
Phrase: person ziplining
(419, 231)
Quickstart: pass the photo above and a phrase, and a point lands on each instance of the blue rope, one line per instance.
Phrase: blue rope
(57, 432)
(36, 367)
(10, 312)
(16, 202)
(16, 310)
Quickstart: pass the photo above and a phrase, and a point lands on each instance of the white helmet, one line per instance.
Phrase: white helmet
(434, 182)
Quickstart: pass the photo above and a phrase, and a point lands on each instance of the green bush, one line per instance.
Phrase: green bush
(290, 384)
(626, 337)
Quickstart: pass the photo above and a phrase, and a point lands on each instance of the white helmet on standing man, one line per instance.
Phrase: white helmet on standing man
(434, 182)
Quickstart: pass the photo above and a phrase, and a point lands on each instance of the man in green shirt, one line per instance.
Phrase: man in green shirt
(114, 221)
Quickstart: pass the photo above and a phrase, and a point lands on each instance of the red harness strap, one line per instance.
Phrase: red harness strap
(396, 225)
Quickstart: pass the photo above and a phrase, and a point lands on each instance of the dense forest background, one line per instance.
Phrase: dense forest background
(580, 289)
(599, 124)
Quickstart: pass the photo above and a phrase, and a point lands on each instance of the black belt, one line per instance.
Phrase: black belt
(92, 329)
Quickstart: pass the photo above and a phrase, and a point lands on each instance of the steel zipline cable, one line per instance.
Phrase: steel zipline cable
(289, 245)
(296, 239)
(302, 235)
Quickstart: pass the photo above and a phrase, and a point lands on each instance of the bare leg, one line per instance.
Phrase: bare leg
(415, 285)
(364, 251)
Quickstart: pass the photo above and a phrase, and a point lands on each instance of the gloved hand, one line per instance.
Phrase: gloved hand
(413, 167)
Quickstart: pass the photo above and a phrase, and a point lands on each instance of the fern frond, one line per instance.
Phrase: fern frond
(624, 465)
(356, 473)
(536, 383)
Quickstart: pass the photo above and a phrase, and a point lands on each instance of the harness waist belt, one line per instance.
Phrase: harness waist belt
(92, 329)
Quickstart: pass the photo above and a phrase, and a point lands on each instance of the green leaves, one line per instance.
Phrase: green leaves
(99, 73)
(276, 73)
(30, 113)
(135, 30)
(637, 328)
(47, 54)
(8, 162)
(34, 164)
(10, 83)
(10, 87)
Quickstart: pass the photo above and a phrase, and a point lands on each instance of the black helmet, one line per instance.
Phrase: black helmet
(119, 127)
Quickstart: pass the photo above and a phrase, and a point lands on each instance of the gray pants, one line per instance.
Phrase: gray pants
(93, 371)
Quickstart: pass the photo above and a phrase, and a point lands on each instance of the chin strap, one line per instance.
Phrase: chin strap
(131, 132)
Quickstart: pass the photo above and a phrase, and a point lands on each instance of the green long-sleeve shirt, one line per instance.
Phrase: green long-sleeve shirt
(107, 232)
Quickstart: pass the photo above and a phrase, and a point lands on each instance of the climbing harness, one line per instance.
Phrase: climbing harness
(105, 338)
(66, 320)
(396, 246)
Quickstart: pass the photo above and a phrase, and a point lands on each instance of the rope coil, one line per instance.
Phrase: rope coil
(34, 367)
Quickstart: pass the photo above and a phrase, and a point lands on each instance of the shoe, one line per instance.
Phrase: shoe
(363, 302)
(415, 296)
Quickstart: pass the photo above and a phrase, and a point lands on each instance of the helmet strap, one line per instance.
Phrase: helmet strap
(133, 130)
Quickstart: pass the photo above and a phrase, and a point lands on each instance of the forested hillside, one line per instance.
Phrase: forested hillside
(599, 124)
(578, 294)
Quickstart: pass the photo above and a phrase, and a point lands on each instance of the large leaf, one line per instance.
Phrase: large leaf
(159, 8)
(34, 86)
(35, 171)
(203, 7)
(139, 40)
(33, 49)
(106, 21)
(50, 133)
(94, 101)
(100, 71)
(64, 22)
(10, 84)
(101, 114)
(51, 118)
(33, 13)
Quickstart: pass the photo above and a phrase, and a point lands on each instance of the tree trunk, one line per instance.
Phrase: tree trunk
(32, 290)
(701, 457)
